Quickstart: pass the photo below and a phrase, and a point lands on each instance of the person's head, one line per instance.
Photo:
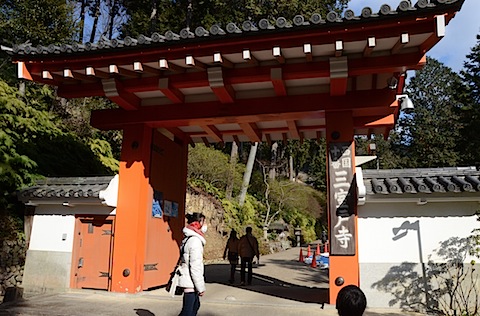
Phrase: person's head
(233, 234)
(351, 301)
(248, 230)
(195, 217)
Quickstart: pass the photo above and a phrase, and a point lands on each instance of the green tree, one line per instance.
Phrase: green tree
(147, 16)
(427, 136)
(469, 143)
(37, 21)
(209, 168)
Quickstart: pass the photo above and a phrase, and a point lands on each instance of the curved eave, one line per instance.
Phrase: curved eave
(260, 85)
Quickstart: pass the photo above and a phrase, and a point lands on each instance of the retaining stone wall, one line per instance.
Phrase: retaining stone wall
(12, 261)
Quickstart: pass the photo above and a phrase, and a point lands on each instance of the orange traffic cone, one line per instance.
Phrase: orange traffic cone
(300, 259)
(314, 260)
(318, 248)
(309, 251)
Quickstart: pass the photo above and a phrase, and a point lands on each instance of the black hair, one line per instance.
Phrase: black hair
(233, 234)
(248, 229)
(351, 301)
(194, 217)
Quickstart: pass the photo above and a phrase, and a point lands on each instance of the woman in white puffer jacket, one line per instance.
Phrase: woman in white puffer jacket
(191, 268)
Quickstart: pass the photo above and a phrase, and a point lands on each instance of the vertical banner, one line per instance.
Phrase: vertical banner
(342, 199)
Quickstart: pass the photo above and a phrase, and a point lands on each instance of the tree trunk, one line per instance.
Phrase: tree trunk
(82, 19)
(153, 16)
(95, 21)
(231, 175)
(273, 165)
(248, 173)
(291, 172)
(111, 20)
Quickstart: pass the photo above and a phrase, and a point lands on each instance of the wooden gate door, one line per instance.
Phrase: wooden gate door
(92, 261)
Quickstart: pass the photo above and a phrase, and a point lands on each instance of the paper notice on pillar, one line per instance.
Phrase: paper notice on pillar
(341, 199)
(167, 208)
(157, 204)
(174, 209)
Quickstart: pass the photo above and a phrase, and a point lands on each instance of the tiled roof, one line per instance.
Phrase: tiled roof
(405, 8)
(411, 181)
(76, 188)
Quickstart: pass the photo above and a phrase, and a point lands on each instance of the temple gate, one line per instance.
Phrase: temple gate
(333, 77)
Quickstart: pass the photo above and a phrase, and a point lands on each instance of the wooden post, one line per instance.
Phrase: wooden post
(134, 202)
(344, 267)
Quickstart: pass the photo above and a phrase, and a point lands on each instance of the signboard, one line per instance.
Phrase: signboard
(167, 206)
(342, 199)
(157, 211)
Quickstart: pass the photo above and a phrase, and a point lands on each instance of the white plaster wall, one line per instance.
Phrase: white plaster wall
(48, 231)
(51, 222)
(379, 253)
(437, 222)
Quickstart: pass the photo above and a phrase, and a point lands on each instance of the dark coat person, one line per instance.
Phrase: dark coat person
(247, 249)
(231, 250)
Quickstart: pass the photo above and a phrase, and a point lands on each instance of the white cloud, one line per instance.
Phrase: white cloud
(460, 35)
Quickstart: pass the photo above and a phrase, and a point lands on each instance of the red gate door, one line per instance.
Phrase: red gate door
(93, 253)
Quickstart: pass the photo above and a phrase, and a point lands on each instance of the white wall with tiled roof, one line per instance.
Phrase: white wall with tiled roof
(385, 246)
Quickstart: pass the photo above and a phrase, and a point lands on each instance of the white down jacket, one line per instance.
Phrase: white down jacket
(191, 268)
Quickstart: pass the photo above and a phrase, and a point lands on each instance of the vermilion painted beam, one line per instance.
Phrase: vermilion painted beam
(357, 67)
(369, 122)
(225, 94)
(178, 133)
(278, 82)
(293, 129)
(385, 64)
(374, 121)
(114, 90)
(22, 71)
(172, 93)
(244, 110)
(338, 86)
(213, 132)
(252, 132)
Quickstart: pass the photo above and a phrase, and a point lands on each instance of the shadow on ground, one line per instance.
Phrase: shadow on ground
(294, 281)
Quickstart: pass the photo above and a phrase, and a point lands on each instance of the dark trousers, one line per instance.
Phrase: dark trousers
(233, 268)
(246, 262)
(191, 304)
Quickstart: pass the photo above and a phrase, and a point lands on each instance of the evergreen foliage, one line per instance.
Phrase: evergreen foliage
(37, 21)
(469, 143)
(428, 135)
(146, 16)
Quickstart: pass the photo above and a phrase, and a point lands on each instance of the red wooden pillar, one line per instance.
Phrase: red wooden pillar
(342, 206)
(134, 203)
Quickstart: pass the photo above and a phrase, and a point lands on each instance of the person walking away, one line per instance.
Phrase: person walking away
(231, 250)
(247, 249)
(192, 278)
(351, 301)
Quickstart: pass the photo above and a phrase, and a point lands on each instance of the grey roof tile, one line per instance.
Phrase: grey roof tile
(349, 17)
(422, 180)
(68, 187)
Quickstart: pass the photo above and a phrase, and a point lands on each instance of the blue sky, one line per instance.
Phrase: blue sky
(460, 35)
